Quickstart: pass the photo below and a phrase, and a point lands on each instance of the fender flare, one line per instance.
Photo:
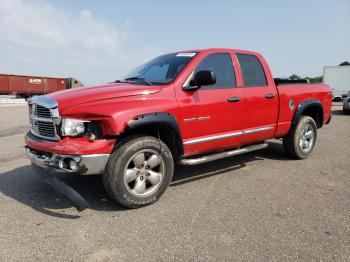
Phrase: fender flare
(301, 109)
(160, 119)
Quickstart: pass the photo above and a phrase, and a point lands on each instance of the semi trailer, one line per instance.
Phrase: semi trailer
(27, 86)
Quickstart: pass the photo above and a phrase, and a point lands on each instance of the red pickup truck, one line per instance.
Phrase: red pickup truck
(186, 107)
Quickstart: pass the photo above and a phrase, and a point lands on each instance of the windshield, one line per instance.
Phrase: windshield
(160, 70)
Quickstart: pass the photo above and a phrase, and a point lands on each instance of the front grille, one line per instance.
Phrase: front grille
(43, 112)
(46, 129)
(30, 106)
(41, 121)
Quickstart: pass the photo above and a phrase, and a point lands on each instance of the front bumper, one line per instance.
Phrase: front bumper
(89, 157)
(90, 164)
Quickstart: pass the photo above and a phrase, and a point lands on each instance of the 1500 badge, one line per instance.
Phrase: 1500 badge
(200, 118)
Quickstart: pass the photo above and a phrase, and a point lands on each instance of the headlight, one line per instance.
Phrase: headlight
(73, 127)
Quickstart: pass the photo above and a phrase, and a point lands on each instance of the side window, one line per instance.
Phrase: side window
(221, 65)
(252, 70)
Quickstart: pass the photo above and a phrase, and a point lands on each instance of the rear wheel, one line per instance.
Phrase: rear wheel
(138, 171)
(300, 142)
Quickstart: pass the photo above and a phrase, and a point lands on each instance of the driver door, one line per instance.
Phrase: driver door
(211, 116)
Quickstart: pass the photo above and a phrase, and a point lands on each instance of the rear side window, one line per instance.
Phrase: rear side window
(252, 70)
(221, 65)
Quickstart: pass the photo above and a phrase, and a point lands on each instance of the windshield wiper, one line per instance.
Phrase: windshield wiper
(138, 79)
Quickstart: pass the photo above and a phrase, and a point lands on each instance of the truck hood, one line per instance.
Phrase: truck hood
(81, 95)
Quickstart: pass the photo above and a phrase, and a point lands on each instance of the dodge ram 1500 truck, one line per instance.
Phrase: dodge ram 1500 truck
(186, 107)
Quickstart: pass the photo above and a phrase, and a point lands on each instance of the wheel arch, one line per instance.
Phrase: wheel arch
(158, 124)
(312, 108)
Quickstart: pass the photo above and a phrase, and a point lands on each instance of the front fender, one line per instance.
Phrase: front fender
(158, 119)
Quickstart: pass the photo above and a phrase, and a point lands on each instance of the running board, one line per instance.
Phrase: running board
(221, 155)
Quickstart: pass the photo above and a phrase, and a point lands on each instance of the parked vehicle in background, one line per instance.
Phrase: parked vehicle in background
(338, 78)
(346, 103)
(26, 86)
(337, 98)
(187, 107)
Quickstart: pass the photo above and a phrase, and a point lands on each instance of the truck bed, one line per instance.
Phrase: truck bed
(299, 93)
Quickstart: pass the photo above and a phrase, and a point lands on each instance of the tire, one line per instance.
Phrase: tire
(133, 176)
(299, 143)
(346, 111)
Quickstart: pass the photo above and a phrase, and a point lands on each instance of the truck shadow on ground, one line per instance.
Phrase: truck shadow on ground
(27, 187)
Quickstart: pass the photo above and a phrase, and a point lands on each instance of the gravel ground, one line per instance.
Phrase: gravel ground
(260, 206)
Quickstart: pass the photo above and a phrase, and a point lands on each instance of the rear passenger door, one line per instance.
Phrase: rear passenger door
(259, 99)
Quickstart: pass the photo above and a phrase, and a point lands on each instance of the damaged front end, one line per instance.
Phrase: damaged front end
(51, 152)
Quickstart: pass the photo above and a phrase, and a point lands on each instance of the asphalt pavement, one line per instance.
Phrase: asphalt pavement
(256, 207)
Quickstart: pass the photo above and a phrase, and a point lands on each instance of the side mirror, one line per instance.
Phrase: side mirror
(201, 78)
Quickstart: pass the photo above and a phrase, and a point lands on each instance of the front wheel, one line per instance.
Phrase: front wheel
(138, 171)
(300, 142)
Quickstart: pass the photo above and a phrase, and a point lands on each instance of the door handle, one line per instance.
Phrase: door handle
(233, 99)
(269, 96)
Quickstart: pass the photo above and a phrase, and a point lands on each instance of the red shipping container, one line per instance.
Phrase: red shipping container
(35, 85)
(62, 84)
(50, 85)
(26, 86)
(4, 84)
(18, 85)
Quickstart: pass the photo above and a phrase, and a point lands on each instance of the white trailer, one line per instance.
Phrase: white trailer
(338, 78)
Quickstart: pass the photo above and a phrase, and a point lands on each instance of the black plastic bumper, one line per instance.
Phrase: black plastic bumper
(68, 192)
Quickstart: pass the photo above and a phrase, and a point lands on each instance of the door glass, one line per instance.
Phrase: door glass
(252, 70)
(221, 65)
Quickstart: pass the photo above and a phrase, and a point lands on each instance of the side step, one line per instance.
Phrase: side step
(221, 155)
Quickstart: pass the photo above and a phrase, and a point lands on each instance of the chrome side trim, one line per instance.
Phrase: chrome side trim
(212, 138)
(221, 155)
(257, 130)
(218, 137)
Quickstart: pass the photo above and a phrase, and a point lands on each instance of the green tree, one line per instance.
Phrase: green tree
(345, 63)
(294, 76)
(316, 79)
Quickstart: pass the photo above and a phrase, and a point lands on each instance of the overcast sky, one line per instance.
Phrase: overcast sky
(100, 41)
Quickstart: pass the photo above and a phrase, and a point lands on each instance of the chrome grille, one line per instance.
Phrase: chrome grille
(42, 112)
(30, 106)
(43, 119)
(46, 129)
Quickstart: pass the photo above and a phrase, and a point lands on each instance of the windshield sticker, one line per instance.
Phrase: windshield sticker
(186, 54)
